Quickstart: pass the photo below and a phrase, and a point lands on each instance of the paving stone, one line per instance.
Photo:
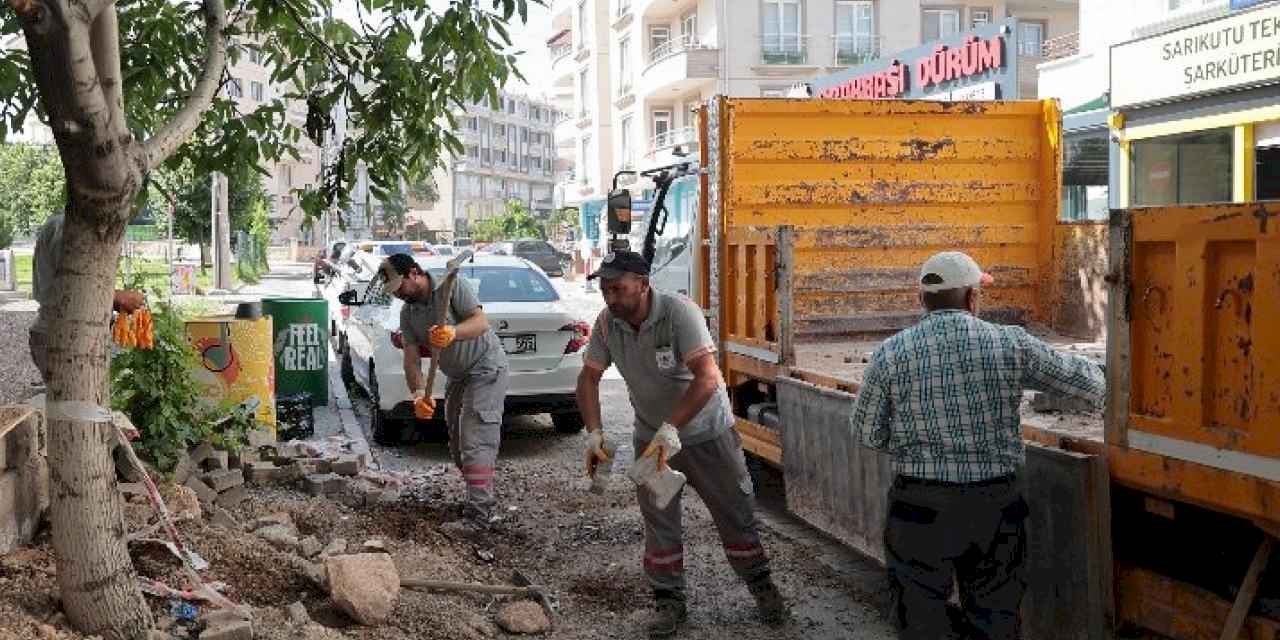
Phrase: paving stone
(346, 466)
(238, 630)
(222, 518)
(260, 438)
(315, 484)
(310, 547)
(238, 459)
(217, 461)
(322, 465)
(279, 536)
(184, 468)
(202, 452)
(261, 472)
(223, 480)
(336, 547)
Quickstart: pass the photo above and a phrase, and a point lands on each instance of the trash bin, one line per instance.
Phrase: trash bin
(301, 346)
(235, 362)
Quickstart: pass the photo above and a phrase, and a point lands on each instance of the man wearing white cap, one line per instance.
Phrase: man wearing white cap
(942, 399)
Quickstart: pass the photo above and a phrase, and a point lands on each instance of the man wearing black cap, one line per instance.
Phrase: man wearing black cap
(660, 344)
(471, 356)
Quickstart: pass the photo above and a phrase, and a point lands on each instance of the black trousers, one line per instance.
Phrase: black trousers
(941, 534)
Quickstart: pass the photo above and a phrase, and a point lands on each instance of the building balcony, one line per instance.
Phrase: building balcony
(853, 50)
(622, 15)
(562, 63)
(785, 50)
(663, 9)
(679, 67)
(677, 145)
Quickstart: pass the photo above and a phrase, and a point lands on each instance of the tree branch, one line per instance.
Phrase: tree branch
(105, 41)
(172, 135)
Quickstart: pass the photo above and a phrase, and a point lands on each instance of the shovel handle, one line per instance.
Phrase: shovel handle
(442, 312)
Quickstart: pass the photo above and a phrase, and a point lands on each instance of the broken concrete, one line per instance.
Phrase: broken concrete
(204, 492)
(310, 547)
(365, 586)
(223, 480)
(232, 497)
(261, 472)
(279, 518)
(220, 517)
(234, 630)
(182, 469)
(347, 466)
(182, 501)
(260, 438)
(523, 617)
(298, 615)
(217, 461)
(279, 536)
(238, 459)
(376, 545)
(336, 547)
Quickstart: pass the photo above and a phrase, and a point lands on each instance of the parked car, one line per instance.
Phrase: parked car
(323, 266)
(544, 342)
(384, 248)
(443, 250)
(539, 252)
(352, 272)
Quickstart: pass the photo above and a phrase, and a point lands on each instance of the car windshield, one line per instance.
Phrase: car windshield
(444, 251)
(506, 284)
(535, 248)
(392, 249)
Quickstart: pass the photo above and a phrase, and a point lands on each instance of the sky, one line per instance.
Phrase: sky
(530, 38)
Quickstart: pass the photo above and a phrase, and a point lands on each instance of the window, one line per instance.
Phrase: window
(855, 33)
(587, 163)
(659, 41)
(624, 142)
(940, 23)
(287, 173)
(235, 89)
(584, 80)
(486, 156)
(1183, 169)
(661, 128)
(584, 36)
(783, 36)
(524, 135)
(979, 17)
(623, 7)
(1031, 39)
(689, 28)
(473, 152)
(255, 55)
(256, 91)
(624, 66)
(1085, 171)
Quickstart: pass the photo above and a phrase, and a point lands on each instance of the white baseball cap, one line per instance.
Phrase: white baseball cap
(951, 270)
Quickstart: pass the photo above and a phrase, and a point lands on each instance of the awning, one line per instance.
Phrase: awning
(1100, 102)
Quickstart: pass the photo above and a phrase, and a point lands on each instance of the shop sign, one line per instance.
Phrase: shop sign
(984, 58)
(1237, 51)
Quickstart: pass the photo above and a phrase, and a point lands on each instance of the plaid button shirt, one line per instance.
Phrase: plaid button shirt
(943, 396)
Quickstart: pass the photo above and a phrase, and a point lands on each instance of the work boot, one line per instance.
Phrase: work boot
(769, 602)
(668, 615)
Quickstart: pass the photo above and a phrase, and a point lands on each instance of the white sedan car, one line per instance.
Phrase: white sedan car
(544, 342)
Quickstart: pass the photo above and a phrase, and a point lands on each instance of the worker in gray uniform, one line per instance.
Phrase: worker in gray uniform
(472, 358)
(660, 343)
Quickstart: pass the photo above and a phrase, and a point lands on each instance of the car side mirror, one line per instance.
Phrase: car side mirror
(349, 299)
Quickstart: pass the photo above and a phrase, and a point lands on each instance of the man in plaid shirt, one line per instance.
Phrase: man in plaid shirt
(942, 399)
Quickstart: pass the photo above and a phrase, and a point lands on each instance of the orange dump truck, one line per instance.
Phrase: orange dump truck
(812, 219)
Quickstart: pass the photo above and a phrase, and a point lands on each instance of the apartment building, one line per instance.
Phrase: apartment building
(666, 57)
(510, 155)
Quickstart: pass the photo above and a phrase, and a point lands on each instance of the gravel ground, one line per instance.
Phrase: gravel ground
(17, 373)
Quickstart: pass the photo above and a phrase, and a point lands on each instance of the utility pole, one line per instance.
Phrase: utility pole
(221, 232)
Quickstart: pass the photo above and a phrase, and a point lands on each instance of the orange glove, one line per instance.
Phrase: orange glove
(424, 408)
(442, 335)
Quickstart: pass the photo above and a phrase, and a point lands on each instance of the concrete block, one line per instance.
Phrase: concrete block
(315, 484)
(217, 461)
(204, 492)
(335, 484)
(261, 472)
(223, 480)
(232, 497)
(347, 466)
(322, 465)
(220, 517)
(184, 468)
(238, 459)
(200, 453)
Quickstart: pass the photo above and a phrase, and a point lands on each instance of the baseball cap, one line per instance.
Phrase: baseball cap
(618, 263)
(951, 270)
(393, 270)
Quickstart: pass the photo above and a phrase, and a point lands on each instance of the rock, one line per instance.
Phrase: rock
(225, 479)
(310, 547)
(204, 492)
(220, 517)
(479, 626)
(218, 461)
(346, 466)
(365, 586)
(232, 497)
(235, 630)
(335, 484)
(200, 453)
(314, 484)
(336, 547)
(523, 617)
(182, 502)
(48, 632)
(316, 631)
(183, 469)
(298, 615)
(375, 545)
(280, 517)
(279, 536)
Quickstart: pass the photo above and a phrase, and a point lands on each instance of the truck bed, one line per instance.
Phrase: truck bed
(842, 363)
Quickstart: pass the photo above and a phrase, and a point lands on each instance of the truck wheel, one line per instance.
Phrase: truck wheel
(386, 430)
(567, 422)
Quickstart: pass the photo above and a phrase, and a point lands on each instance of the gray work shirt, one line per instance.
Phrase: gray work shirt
(44, 273)
(480, 355)
(654, 362)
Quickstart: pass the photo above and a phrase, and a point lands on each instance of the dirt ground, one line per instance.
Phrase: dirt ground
(585, 549)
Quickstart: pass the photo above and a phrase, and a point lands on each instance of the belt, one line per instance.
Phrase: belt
(910, 481)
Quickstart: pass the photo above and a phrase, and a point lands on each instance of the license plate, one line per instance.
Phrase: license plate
(516, 345)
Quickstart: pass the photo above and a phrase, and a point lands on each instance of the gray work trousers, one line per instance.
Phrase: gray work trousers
(939, 535)
(717, 470)
(473, 412)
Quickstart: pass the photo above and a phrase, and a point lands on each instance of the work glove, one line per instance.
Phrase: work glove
(442, 335)
(598, 450)
(424, 406)
(665, 445)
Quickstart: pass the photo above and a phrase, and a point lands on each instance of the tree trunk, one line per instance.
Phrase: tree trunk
(95, 574)
(204, 257)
